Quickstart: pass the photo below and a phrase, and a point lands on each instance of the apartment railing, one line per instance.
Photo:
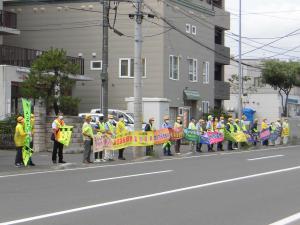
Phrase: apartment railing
(23, 57)
(8, 19)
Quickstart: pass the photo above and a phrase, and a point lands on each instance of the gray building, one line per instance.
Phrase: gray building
(187, 68)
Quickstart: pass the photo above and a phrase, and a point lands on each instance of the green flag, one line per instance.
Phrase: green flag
(27, 151)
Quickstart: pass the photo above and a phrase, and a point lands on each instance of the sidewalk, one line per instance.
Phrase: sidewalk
(43, 160)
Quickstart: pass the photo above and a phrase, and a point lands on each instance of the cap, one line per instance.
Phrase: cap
(88, 116)
(110, 116)
(222, 118)
(209, 117)
(32, 115)
(216, 119)
(178, 117)
(20, 118)
(237, 120)
(230, 119)
(151, 119)
(166, 117)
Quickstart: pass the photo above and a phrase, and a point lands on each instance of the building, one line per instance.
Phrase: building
(187, 68)
(256, 95)
(15, 63)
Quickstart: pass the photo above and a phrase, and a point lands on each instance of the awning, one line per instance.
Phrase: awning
(191, 95)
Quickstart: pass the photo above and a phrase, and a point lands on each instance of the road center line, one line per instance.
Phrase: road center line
(128, 176)
(288, 220)
(150, 161)
(265, 157)
(43, 216)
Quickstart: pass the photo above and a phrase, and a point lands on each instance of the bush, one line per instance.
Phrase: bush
(69, 105)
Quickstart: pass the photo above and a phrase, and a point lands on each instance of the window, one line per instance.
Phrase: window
(174, 67)
(205, 72)
(188, 28)
(180, 111)
(194, 30)
(193, 70)
(96, 65)
(205, 106)
(126, 68)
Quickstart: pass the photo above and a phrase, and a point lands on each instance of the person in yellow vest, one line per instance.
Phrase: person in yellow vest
(279, 129)
(216, 121)
(220, 128)
(264, 126)
(56, 125)
(110, 128)
(230, 129)
(167, 145)
(237, 128)
(255, 132)
(199, 127)
(210, 128)
(178, 124)
(19, 139)
(100, 128)
(243, 123)
(192, 126)
(120, 129)
(32, 123)
(285, 131)
(88, 135)
(150, 127)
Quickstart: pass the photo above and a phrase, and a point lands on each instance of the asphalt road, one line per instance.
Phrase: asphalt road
(231, 188)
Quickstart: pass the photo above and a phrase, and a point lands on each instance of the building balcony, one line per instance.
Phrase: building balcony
(222, 54)
(222, 90)
(22, 57)
(8, 23)
(222, 18)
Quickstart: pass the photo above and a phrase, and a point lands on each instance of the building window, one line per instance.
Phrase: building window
(96, 65)
(193, 70)
(194, 30)
(126, 68)
(205, 69)
(205, 106)
(180, 111)
(188, 28)
(174, 67)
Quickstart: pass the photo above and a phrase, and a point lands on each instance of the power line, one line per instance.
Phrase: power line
(191, 38)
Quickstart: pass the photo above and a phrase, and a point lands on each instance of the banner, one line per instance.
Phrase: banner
(275, 134)
(229, 136)
(27, 151)
(250, 137)
(161, 136)
(176, 134)
(215, 137)
(64, 135)
(142, 138)
(285, 132)
(235, 137)
(191, 135)
(102, 143)
(122, 141)
(264, 135)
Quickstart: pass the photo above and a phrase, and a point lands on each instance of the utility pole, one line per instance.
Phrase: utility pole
(104, 73)
(138, 40)
(240, 63)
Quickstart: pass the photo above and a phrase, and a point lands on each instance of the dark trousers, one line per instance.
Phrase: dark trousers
(57, 146)
(220, 146)
(121, 153)
(98, 155)
(19, 158)
(210, 147)
(230, 145)
(198, 147)
(167, 149)
(149, 150)
(87, 151)
(265, 142)
(177, 146)
(31, 146)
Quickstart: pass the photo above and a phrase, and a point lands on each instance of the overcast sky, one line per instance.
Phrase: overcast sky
(266, 18)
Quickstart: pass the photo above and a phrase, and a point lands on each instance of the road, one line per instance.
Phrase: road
(231, 188)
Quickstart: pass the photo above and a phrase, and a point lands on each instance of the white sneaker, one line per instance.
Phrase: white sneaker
(98, 160)
(103, 160)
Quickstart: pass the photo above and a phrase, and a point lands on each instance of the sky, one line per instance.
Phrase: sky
(265, 19)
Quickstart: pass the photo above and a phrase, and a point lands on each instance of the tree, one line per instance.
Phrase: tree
(234, 84)
(49, 79)
(282, 76)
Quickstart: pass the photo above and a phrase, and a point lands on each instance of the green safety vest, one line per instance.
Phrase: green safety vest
(231, 128)
(101, 128)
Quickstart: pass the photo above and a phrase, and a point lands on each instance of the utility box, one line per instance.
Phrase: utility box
(152, 107)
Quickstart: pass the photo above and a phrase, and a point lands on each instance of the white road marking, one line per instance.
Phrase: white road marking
(134, 175)
(265, 157)
(150, 161)
(43, 216)
(288, 220)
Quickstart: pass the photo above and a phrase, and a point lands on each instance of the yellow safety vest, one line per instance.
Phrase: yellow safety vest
(20, 135)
